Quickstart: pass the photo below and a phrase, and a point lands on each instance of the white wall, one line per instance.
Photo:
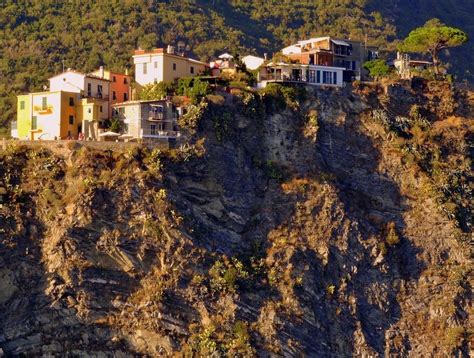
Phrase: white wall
(154, 72)
(68, 82)
(252, 62)
(291, 49)
(49, 122)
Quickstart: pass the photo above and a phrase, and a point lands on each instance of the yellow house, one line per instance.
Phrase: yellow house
(90, 112)
(47, 115)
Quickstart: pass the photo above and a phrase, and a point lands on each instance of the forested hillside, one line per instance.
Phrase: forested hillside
(37, 36)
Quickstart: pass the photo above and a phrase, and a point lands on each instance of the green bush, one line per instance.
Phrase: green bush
(194, 88)
(157, 90)
(377, 68)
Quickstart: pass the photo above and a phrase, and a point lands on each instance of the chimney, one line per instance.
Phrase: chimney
(170, 50)
(265, 56)
(126, 71)
(101, 71)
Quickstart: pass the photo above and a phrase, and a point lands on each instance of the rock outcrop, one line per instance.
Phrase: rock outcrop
(281, 229)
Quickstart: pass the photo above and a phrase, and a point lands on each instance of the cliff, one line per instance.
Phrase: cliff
(316, 223)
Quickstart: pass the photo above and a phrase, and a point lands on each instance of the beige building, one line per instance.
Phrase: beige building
(161, 65)
(147, 120)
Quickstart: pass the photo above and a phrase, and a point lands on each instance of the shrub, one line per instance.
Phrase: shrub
(225, 275)
(157, 90)
(191, 119)
(392, 237)
(194, 88)
(377, 68)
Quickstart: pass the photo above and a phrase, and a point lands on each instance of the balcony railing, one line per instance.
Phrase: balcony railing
(156, 116)
(280, 77)
(159, 134)
(98, 96)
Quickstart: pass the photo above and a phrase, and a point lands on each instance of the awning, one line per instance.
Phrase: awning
(109, 134)
(226, 56)
(340, 42)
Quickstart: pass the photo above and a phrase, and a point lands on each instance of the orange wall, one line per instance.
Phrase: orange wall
(119, 87)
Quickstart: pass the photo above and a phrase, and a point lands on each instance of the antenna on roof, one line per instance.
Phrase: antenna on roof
(63, 65)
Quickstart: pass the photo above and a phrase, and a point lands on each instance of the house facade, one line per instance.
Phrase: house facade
(300, 73)
(87, 85)
(407, 67)
(147, 120)
(328, 51)
(165, 65)
(120, 85)
(47, 116)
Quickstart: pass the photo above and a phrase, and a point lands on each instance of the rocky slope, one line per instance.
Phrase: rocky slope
(292, 224)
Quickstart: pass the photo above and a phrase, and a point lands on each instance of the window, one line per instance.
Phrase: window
(100, 108)
(125, 97)
(144, 69)
(125, 127)
(89, 89)
(192, 69)
(174, 66)
(34, 122)
(326, 76)
(156, 64)
(71, 120)
(89, 110)
(71, 101)
(153, 129)
(45, 103)
(22, 104)
(99, 91)
(318, 78)
(312, 76)
(125, 80)
(334, 78)
(121, 110)
(114, 79)
(114, 95)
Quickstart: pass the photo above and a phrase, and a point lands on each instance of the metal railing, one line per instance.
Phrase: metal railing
(159, 134)
(281, 77)
(156, 116)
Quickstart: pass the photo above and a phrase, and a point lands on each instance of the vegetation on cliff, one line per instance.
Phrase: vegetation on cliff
(293, 222)
(38, 38)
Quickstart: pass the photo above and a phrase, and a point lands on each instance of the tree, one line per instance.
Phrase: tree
(377, 68)
(156, 90)
(433, 37)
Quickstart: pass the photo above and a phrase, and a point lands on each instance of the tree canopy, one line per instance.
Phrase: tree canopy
(377, 68)
(432, 38)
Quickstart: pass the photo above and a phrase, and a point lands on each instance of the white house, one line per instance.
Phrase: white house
(314, 75)
(252, 62)
(89, 86)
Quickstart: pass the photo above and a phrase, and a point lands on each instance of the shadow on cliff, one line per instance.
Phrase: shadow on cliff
(371, 200)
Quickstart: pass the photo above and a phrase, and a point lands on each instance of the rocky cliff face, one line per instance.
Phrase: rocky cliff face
(291, 224)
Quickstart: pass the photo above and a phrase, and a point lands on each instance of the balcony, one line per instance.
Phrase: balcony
(159, 134)
(96, 96)
(156, 116)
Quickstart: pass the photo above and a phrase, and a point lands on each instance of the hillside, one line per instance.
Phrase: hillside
(38, 37)
(294, 223)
